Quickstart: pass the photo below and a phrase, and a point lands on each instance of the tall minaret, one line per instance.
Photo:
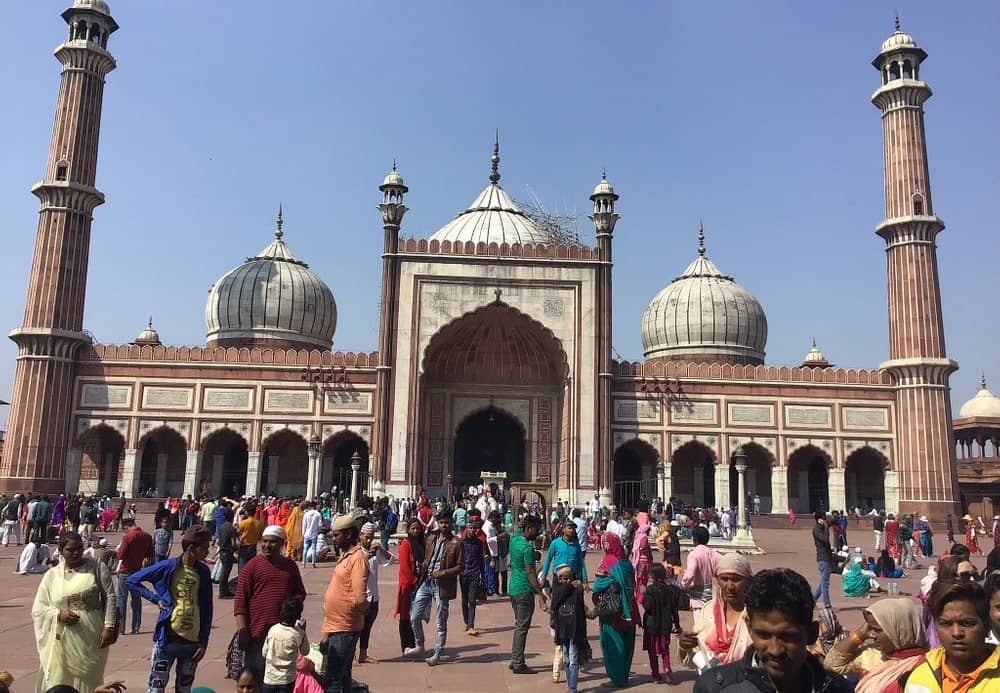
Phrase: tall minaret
(927, 476)
(38, 429)
(604, 218)
(392, 210)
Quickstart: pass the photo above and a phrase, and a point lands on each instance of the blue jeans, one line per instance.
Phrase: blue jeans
(246, 555)
(120, 593)
(571, 660)
(421, 611)
(163, 658)
(307, 544)
(823, 588)
(339, 656)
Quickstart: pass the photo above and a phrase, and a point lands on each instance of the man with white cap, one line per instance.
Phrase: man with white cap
(377, 557)
(264, 583)
(344, 605)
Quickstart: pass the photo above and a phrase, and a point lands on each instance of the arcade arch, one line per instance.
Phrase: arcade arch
(284, 461)
(102, 449)
(692, 473)
(224, 463)
(335, 465)
(634, 472)
(162, 462)
(864, 479)
(808, 480)
(757, 482)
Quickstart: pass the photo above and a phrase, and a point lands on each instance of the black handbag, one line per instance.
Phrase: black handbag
(608, 603)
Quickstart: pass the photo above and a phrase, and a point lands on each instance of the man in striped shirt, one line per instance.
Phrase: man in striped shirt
(266, 581)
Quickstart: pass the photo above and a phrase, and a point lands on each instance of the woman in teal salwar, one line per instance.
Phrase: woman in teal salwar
(617, 636)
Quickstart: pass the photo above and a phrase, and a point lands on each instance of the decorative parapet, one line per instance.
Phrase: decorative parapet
(729, 371)
(551, 251)
(229, 355)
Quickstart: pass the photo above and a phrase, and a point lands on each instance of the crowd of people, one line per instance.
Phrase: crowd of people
(768, 630)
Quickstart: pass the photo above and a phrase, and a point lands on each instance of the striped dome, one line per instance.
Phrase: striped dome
(271, 299)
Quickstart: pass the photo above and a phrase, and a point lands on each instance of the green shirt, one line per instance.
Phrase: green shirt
(522, 559)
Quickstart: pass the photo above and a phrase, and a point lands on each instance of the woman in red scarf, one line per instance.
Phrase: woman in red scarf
(971, 540)
(272, 512)
(283, 512)
(411, 557)
(891, 530)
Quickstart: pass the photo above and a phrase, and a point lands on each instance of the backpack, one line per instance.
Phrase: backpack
(391, 520)
(13, 511)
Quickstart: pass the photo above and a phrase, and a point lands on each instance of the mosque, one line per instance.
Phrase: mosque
(494, 354)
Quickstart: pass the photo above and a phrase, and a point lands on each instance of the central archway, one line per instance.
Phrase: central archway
(489, 440)
(500, 353)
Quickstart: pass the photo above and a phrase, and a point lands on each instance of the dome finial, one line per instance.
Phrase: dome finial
(897, 20)
(150, 323)
(393, 164)
(982, 381)
(495, 159)
(814, 342)
(278, 233)
(701, 238)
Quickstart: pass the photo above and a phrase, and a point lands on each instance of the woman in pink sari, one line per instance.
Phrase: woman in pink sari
(721, 634)
(272, 512)
(641, 558)
(891, 530)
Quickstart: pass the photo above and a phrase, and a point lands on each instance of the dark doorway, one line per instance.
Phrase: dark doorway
(818, 490)
(488, 441)
(234, 468)
(628, 477)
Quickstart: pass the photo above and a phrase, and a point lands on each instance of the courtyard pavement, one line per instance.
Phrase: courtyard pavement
(470, 662)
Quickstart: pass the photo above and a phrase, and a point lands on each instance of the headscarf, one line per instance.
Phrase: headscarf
(613, 551)
(283, 512)
(901, 620)
(856, 583)
(734, 563)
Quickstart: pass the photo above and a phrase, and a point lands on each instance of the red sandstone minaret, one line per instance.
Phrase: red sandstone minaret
(38, 429)
(917, 359)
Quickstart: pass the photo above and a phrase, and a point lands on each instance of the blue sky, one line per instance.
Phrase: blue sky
(753, 116)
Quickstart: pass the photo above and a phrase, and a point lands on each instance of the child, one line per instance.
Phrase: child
(659, 619)
(248, 682)
(163, 541)
(284, 643)
(567, 617)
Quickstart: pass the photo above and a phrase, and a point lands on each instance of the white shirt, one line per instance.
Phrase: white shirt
(595, 506)
(311, 522)
(483, 505)
(381, 558)
(282, 646)
(617, 527)
(491, 538)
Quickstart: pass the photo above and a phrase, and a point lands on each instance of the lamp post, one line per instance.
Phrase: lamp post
(355, 469)
(451, 491)
(312, 477)
(742, 540)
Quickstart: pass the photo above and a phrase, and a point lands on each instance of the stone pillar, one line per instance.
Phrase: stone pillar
(192, 473)
(722, 485)
(355, 470)
(272, 473)
(253, 474)
(698, 472)
(129, 481)
(218, 464)
(779, 490)
(742, 496)
(74, 457)
(312, 476)
(662, 480)
(892, 492)
(161, 474)
(835, 482)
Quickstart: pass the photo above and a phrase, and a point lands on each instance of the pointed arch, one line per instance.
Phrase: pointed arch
(864, 478)
(692, 473)
(634, 472)
(102, 449)
(808, 479)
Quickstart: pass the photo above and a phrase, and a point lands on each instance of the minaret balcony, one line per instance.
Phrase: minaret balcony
(67, 195)
(913, 229)
(899, 94)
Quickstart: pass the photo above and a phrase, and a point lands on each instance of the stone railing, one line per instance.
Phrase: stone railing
(553, 251)
(729, 371)
(226, 355)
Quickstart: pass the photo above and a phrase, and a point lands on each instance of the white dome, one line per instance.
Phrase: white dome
(704, 315)
(492, 218)
(272, 298)
(897, 41)
(815, 358)
(984, 405)
(96, 5)
(148, 335)
(603, 188)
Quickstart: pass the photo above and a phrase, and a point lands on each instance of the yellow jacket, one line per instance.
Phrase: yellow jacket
(926, 678)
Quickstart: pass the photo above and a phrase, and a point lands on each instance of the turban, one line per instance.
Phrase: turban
(344, 522)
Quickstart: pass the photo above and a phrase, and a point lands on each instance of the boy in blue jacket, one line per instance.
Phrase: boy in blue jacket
(183, 591)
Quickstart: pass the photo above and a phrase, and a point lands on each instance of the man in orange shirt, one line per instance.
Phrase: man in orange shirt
(344, 606)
